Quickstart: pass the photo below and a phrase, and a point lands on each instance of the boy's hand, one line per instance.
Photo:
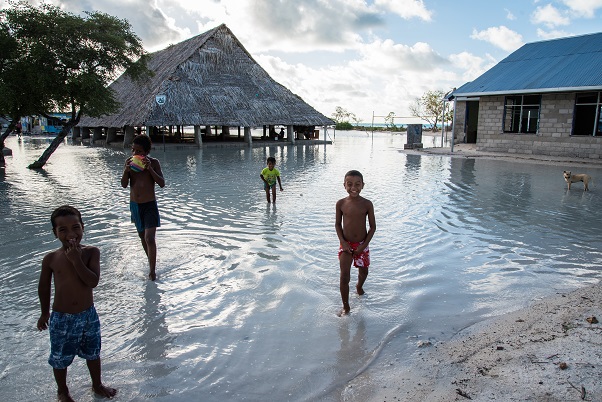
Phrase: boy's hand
(281, 189)
(43, 322)
(74, 251)
(346, 248)
(359, 249)
(126, 167)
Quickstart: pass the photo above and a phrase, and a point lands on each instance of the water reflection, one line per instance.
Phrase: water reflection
(245, 304)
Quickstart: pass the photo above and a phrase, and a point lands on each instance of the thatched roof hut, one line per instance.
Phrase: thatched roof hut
(209, 79)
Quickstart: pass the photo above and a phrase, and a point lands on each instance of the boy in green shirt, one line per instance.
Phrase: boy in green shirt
(269, 175)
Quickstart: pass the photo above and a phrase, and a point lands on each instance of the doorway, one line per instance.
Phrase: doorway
(472, 121)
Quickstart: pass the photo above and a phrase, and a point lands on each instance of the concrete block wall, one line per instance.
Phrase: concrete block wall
(553, 137)
(460, 123)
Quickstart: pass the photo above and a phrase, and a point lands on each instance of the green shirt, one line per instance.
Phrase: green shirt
(270, 175)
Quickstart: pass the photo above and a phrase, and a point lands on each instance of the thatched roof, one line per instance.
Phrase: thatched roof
(209, 79)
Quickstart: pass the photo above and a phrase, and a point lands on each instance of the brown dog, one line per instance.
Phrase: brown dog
(574, 178)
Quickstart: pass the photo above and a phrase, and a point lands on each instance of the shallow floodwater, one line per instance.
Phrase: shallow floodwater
(245, 301)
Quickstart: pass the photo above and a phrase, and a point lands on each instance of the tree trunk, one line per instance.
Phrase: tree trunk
(3, 137)
(39, 164)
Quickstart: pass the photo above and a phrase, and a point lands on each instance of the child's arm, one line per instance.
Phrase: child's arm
(88, 274)
(44, 293)
(338, 225)
(371, 228)
(125, 177)
(279, 183)
(263, 178)
(154, 168)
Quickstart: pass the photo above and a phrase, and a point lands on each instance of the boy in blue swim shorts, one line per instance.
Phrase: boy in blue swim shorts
(73, 325)
(143, 201)
(270, 175)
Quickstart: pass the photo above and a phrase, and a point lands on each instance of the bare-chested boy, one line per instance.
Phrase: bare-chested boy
(73, 325)
(354, 238)
(143, 202)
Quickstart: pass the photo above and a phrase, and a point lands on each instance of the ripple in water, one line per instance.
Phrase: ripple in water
(245, 304)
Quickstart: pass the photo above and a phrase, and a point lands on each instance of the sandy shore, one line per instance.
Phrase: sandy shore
(549, 351)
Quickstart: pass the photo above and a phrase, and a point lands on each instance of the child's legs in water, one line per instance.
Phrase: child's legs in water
(345, 260)
(361, 278)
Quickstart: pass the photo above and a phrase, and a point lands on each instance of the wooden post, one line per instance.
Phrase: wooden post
(111, 135)
(290, 134)
(248, 138)
(198, 140)
(128, 136)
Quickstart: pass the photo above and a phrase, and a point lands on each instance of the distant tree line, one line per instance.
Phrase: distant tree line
(428, 108)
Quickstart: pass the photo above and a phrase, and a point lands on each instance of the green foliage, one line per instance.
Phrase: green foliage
(430, 108)
(390, 120)
(343, 116)
(344, 126)
(57, 61)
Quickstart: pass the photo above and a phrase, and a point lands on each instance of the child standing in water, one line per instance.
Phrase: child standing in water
(143, 202)
(351, 213)
(269, 175)
(73, 325)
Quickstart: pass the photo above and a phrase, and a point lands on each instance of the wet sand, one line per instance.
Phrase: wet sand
(549, 351)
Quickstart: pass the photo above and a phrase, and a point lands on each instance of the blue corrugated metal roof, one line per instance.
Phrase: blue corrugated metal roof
(573, 63)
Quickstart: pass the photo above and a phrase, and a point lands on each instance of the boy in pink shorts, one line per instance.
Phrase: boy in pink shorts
(351, 213)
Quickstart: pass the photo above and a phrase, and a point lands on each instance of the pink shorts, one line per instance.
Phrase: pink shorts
(359, 260)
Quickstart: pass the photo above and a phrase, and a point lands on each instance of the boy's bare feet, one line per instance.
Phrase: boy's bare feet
(107, 392)
(360, 290)
(64, 396)
(152, 276)
(344, 311)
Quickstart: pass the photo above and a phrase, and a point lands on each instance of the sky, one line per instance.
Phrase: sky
(370, 57)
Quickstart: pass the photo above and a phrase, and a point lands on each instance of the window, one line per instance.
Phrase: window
(521, 114)
(587, 119)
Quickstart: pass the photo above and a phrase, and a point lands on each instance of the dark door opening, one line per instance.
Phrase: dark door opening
(472, 121)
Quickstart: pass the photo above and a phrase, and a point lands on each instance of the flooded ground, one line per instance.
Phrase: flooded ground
(245, 303)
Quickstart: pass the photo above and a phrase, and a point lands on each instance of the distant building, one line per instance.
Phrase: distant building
(545, 99)
(204, 84)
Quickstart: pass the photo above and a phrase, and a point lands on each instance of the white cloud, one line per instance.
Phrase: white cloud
(501, 36)
(406, 9)
(384, 77)
(549, 16)
(509, 15)
(471, 65)
(583, 8)
(553, 34)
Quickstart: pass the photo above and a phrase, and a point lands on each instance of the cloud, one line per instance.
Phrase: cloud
(406, 9)
(583, 8)
(552, 34)
(549, 16)
(147, 19)
(384, 76)
(509, 15)
(501, 36)
(471, 66)
(310, 25)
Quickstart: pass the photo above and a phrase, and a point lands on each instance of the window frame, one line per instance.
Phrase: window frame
(596, 130)
(520, 107)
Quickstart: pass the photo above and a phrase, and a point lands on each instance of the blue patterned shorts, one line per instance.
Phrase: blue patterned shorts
(73, 334)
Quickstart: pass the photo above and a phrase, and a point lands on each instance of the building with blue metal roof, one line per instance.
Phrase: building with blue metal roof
(545, 98)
